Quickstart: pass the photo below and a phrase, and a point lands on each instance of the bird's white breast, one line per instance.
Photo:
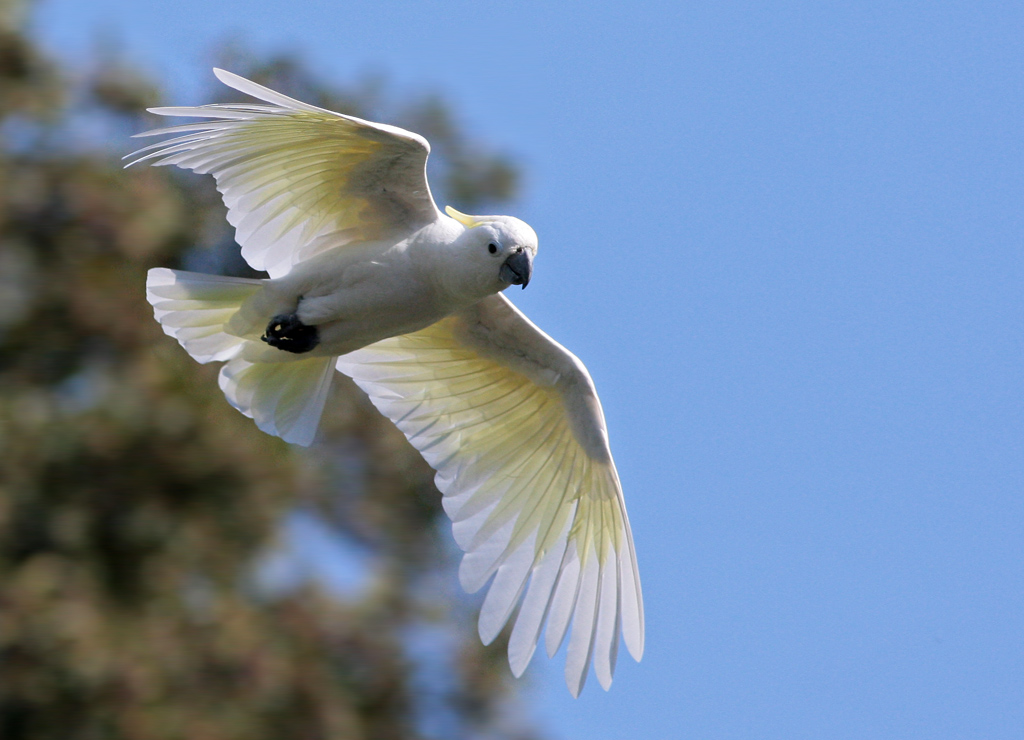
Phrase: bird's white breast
(361, 294)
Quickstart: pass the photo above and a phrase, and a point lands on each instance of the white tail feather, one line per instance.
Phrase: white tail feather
(194, 309)
(283, 398)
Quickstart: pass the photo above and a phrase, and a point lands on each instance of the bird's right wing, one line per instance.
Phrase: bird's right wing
(297, 179)
(512, 424)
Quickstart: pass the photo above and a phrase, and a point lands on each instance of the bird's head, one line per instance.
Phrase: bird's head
(494, 251)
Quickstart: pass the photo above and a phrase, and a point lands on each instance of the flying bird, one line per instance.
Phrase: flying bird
(368, 277)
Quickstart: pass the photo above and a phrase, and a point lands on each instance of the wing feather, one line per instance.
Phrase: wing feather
(297, 179)
(606, 646)
(534, 609)
(511, 422)
(584, 619)
(503, 595)
(563, 600)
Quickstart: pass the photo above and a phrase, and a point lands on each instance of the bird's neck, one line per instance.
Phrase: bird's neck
(455, 284)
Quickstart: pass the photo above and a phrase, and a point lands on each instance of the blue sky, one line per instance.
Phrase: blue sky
(787, 242)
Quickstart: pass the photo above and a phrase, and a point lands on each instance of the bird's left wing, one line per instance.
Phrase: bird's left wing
(512, 424)
(297, 179)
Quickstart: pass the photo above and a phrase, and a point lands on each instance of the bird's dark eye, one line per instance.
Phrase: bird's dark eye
(492, 247)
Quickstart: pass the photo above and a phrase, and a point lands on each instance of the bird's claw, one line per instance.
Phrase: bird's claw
(287, 332)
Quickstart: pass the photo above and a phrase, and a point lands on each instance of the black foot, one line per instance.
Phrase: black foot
(286, 332)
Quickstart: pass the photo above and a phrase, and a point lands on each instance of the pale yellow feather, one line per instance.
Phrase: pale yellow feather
(518, 471)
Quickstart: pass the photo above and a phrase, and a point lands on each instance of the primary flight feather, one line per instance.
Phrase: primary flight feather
(368, 277)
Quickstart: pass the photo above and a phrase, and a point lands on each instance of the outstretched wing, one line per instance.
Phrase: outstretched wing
(299, 180)
(512, 424)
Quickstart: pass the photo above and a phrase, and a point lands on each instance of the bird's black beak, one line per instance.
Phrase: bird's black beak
(518, 268)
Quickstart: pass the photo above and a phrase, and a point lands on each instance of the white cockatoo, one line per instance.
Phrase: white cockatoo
(368, 277)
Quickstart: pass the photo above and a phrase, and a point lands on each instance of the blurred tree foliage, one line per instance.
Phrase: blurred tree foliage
(134, 502)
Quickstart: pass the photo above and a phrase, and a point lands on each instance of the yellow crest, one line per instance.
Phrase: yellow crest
(468, 221)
